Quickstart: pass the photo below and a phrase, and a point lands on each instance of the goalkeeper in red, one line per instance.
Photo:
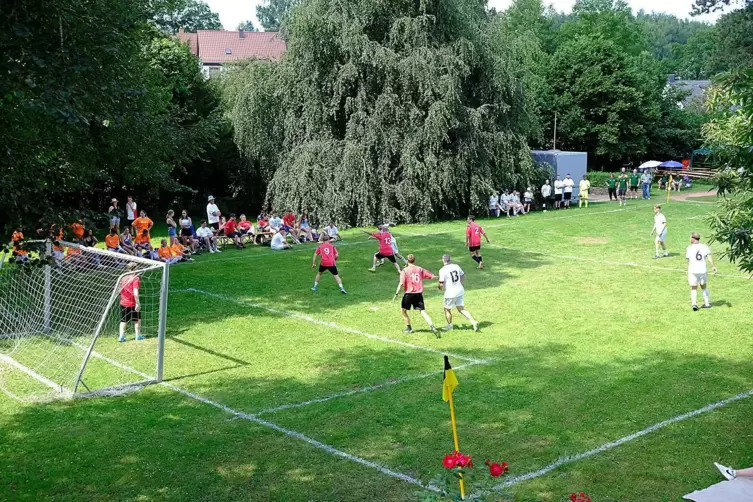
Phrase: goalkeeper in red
(473, 233)
(130, 305)
(385, 247)
(329, 255)
(412, 281)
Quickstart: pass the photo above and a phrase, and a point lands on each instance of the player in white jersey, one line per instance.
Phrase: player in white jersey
(696, 255)
(660, 229)
(451, 278)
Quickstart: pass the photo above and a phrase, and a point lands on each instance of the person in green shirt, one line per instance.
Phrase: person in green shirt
(635, 179)
(622, 185)
(612, 186)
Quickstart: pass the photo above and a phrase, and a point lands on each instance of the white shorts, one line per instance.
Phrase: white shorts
(662, 237)
(458, 301)
(697, 279)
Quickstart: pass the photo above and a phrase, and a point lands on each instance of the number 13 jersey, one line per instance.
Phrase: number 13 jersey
(450, 275)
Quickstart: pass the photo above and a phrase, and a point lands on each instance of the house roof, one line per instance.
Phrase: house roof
(221, 46)
(697, 88)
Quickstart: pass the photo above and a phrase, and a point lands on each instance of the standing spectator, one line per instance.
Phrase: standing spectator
(634, 180)
(278, 241)
(646, 185)
(332, 232)
(130, 210)
(559, 187)
(612, 187)
(494, 205)
(568, 184)
(206, 236)
(546, 194)
(78, 229)
(142, 224)
(115, 214)
(584, 187)
(172, 231)
(213, 213)
(528, 199)
(186, 231)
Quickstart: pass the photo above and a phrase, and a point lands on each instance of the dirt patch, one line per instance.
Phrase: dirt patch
(691, 195)
(592, 240)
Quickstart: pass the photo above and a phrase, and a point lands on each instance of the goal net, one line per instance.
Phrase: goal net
(61, 314)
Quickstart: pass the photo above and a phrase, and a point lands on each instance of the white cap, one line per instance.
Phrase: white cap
(211, 197)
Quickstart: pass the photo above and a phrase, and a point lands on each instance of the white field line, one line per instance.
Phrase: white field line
(276, 253)
(333, 325)
(613, 444)
(288, 432)
(369, 388)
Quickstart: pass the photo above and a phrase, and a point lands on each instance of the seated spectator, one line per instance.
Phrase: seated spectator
(78, 229)
(494, 205)
(288, 223)
(278, 241)
(504, 203)
(676, 184)
(304, 228)
(206, 236)
(663, 182)
(56, 233)
(275, 223)
(20, 253)
(262, 223)
(687, 182)
(231, 231)
(513, 203)
(89, 240)
(332, 232)
(181, 251)
(112, 241)
(143, 244)
(126, 242)
(166, 254)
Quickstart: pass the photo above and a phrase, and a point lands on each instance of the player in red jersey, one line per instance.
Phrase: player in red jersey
(385, 247)
(473, 233)
(412, 281)
(329, 256)
(130, 305)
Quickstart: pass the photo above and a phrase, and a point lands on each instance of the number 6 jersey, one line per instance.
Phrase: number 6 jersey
(450, 275)
(696, 255)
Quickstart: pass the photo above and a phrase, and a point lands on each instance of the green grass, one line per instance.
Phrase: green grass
(581, 349)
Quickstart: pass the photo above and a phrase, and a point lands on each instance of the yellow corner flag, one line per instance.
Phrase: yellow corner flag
(450, 380)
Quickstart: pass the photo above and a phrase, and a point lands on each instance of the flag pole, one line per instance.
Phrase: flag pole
(455, 438)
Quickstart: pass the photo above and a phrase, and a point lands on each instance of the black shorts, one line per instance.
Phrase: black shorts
(568, 195)
(128, 314)
(332, 269)
(380, 256)
(186, 232)
(621, 192)
(634, 189)
(474, 248)
(413, 300)
(215, 226)
(558, 197)
(233, 235)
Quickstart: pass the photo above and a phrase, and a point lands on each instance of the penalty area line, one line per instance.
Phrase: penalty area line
(333, 325)
(625, 439)
(296, 249)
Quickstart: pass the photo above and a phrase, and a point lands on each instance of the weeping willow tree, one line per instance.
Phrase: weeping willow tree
(392, 110)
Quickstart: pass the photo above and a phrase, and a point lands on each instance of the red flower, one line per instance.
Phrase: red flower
(496, 469)
(573, 497)
(450, 461)
(463, 460)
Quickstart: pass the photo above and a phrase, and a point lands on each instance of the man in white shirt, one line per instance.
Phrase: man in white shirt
(278, 241)
(451, 279)
(696, 255)
(527, 200)
(494, 205)
(559, 187)
(546, 193)
(660, 229)
(275, 222)
(130, 210)
(569, 183)
(332, 232)
(213, 213)
(206, 236)
(504, 203)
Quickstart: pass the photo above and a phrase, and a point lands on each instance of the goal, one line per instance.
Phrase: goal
(60, 316)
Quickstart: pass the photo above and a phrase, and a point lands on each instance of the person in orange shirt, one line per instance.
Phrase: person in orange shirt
(78, 229)
(112, 241)
(17, 239)
(181, 252)
(166, 254)
(143, 222)
(143, 242)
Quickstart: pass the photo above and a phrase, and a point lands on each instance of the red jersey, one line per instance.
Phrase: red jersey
(385, 243)
(289, 220)
(244, 225)
(127, 285)
(473, 232)
(328, 253)
(229, 227)
(412, 278)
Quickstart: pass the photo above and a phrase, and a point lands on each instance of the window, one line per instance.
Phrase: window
(228, 51)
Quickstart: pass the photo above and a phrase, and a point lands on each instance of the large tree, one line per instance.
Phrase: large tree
(191, 15)
(272, 13)
(382, 111)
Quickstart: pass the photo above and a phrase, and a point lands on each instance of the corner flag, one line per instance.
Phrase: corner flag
(450, 380)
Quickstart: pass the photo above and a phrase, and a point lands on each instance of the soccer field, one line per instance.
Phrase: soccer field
(590, 373)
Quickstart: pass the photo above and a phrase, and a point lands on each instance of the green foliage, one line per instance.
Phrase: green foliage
(246, 26)
(706, 6)
(273, 12)
(191, 15)
(598, 179)
(734, 46)
(383, 111)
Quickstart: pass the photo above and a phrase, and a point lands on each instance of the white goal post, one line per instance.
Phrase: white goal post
(61, 317)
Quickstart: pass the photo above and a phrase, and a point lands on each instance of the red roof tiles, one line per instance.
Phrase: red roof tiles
(221, 46)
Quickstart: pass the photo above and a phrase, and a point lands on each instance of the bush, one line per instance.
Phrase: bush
(598, 179)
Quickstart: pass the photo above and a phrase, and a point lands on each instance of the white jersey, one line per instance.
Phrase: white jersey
(131, 211)
(558, 186)
(332, 231)
(278, 242)
(546, 190)
(660, 223)
(696, 255)
(450, 275)
(569, 184)
(493, 201)
(213, 213)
